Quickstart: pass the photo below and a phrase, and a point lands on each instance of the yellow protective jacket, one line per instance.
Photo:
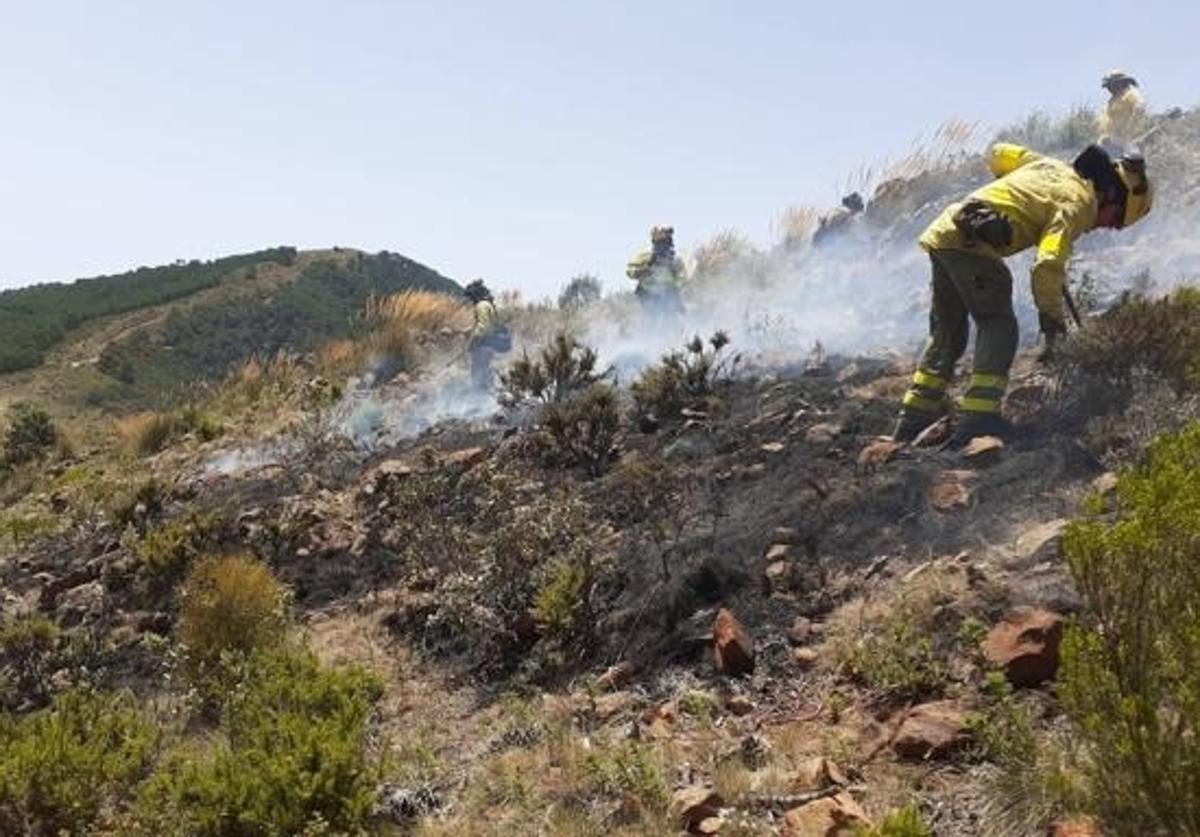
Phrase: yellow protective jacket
(485, 320)
(654, 274)
(1048, 205)
(1124, 117)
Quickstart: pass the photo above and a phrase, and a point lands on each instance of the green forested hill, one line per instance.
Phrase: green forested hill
(201, 340)
(34, 319)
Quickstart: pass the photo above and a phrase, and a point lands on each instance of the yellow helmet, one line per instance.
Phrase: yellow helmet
(1139, 197)
(661, 235)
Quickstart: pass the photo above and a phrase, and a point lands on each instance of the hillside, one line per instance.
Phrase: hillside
(141, 338)
(679, 584)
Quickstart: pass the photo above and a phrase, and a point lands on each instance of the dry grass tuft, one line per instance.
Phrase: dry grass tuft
(146, 433)
(795, 226)
(395, 323)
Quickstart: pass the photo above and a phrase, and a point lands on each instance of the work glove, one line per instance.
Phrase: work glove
(1053, 330)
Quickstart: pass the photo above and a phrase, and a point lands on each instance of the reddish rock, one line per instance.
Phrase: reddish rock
(1025, 646)
(616, 676)
(805, 658)
(932, 731)
(739, 705)
(878, 453)
(732, 644)
(949, 495)
(835, 816)
(817, 773)
(693, 805)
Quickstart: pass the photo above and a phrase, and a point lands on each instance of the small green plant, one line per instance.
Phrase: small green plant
(167, 551)
(139, 503)
(693, 378)
(700, 705)
(24, 528)
(898, 660)
(1004, 731)
(62, 766)
(29, 649)
(903, 822)
(293, 756)
(629, 770)
(1129, 680)
(229, 605)
(563, 367)
(31, 434)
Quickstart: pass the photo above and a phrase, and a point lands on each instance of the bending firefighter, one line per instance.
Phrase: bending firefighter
(489, 336)
(658, 273)
(1035, 202)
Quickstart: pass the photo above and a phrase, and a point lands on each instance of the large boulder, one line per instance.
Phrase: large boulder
(695, 804)
(932, 731)
(733, 647)
(1025, 646)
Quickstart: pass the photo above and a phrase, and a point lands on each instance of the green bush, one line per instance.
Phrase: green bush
(31, 434)
(583, 428)
(63, 767)
(691, 379)
(294, 756)
(29, 649)
(167, 551)
(1129, 677)
(629, 771)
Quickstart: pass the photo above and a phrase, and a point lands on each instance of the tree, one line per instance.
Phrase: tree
(579, 292)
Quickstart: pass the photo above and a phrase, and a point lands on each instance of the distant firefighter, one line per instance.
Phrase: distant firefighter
(1035, 202)
(1124, 116)
(659, 273)
(838, 222)
(489, 336)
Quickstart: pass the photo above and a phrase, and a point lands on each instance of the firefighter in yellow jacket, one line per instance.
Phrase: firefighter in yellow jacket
(1124, 116)
(659, 274)
(1037, 202)
(489, 336)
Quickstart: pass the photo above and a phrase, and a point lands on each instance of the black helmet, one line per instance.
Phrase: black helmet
(476, 291)
(853, 202)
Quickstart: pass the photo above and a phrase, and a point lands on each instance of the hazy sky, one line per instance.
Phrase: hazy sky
(521, 141)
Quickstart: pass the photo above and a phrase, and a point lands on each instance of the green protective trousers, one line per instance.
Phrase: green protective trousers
(965, 285)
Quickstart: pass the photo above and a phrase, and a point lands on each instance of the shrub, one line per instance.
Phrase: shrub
(294, 757)
(229, 605)
(29, 648)
(563, 367)
(61, 767)
(584, 427)
(629, 771)
(582, 291)
(147, 433)
(31, 434)
(137, 503)
(1129, 678)
(903, 822)
(167, 551)
(692, 379)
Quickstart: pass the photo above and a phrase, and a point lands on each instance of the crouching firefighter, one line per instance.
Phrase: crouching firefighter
(658, 273)
(1037, 202)
(489, 336)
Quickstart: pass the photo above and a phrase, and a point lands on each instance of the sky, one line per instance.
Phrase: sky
(524, 142)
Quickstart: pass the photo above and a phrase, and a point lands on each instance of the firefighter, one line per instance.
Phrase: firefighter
(1037, 202)
(489, 336)
(659, 274)
(838, 222)
(1124, 116)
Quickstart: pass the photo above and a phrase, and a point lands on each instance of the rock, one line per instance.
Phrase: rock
(822, 434)
(732, 645)
(465, 459)
(616, 676)
(805, 658)
(402, 805)
(817, 773)
(879, 453)
(692, 805)
(779, 552)
(950, 491)
(801, 630)
(932, 731)
(778, 576)
(983, 450)
(934, 435)
(835, 816)
(81, 604)
(53, 588)
(1075, 827)
(1041, 543)
(1105, 484)
(772, 447)
(709, 825)
(785, 536)
(1025, 646)
(385, 475)
(740, 705)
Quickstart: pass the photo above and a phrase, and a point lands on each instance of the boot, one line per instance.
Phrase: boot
(973, 425)
(910, 424)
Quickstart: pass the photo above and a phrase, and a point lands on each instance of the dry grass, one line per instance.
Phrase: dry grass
(795, 226)
(396, 323)
(146, 433)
